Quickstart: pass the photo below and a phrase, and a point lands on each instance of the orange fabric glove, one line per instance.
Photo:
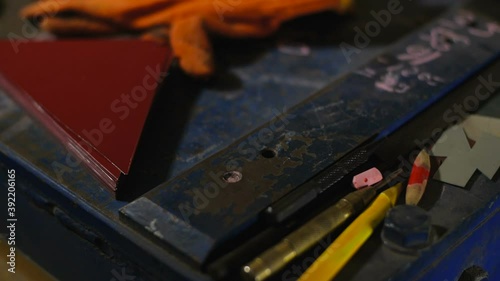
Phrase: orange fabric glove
(184, 23)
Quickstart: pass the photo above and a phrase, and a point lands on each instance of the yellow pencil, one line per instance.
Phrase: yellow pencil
(336, 256)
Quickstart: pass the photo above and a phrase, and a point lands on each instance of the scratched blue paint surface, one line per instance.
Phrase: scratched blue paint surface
(361, 108)
(281, 77)
(272, 79)
(276, 76)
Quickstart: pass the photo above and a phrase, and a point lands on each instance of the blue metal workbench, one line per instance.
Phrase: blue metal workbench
(70, 224)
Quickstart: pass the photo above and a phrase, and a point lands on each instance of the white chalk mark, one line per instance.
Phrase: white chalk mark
(295, 49)
(323, 107)
(152, 228)
(288, 80)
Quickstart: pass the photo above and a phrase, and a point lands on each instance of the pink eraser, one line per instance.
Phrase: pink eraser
(369, 177)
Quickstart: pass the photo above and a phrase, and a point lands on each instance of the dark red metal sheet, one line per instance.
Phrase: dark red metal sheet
(95, 95)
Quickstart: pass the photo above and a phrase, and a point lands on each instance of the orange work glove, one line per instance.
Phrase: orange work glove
(184, 23)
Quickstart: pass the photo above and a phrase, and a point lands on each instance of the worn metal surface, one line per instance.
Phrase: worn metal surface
(313, 135)
(261, 76)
